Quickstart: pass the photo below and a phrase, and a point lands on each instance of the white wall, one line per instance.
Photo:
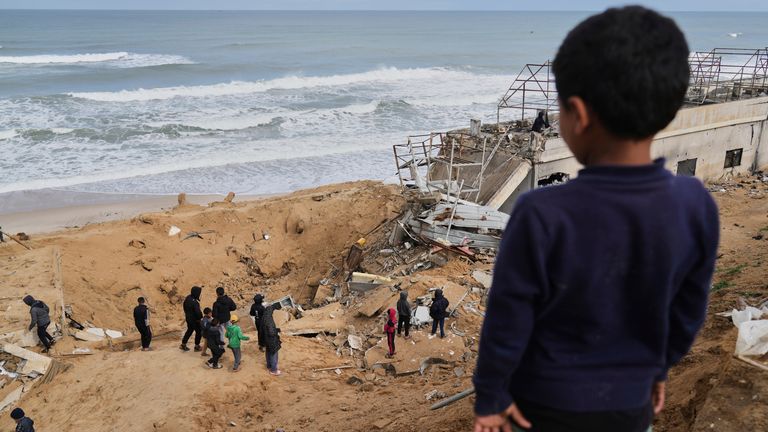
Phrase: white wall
(704, 133)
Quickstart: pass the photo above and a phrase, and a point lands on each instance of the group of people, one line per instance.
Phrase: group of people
(400, 318)
(216, 328)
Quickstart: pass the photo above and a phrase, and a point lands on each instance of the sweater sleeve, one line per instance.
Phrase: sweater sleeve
(688, 309)
(519, 278)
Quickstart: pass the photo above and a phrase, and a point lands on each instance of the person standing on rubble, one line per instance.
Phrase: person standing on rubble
(438, 311)
(192, 315)
(141, 319)
(540, 123)
(600, 284)
(271, 338)
(41, 319)
(257, 312)
(23, 423)
(223, 306)
(404, 314)
(389, 329)
(215, 343)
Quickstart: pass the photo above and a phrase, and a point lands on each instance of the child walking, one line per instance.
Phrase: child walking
(601, 284)
(389, 328)
(235, 335)
(205, 325)
(215, 343)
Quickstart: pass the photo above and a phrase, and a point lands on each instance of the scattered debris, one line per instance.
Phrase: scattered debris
(174, 230)
(138, 244)
(197, 234)
(454, 398)
(435, 394)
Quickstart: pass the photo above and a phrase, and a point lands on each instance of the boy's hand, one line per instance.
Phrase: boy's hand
(500, 422)
(658, 396)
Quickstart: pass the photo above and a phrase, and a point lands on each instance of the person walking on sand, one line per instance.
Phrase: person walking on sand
(223, 306)
(271, 338)
(257, 312)
(403, 314)
(438, 312)
(205, 326)
(193, 315)
(41, 319)
(235, 335)
(215, 343)
(23, 423)
(141, 319)
(389, 329)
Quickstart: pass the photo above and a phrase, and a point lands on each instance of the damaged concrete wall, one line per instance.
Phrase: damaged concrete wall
(703, 133)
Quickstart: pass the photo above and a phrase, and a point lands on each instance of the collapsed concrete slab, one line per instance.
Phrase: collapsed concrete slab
(321, 320)
(415, 354)
(374, 302)
(33, 362)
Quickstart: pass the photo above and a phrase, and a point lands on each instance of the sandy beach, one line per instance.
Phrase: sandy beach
(48, 210)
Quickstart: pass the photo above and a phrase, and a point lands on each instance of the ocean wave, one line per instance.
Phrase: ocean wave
(118, 59)
(286, 83)
(8, 134)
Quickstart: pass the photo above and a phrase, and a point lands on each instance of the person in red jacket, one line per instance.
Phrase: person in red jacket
(389, 328)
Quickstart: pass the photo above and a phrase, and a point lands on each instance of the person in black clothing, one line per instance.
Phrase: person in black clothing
(23, 423)
(540, 123)
(223, 306)
(404, 313)
(141, 319)
(193, 315)
(438, 312)
(271, 338)
(40, 318)
(215, 338)
(257, 312)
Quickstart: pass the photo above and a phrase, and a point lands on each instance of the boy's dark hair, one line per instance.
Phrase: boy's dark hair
(141, 300)
(220, 291)
(206, 311)
(630, 65)
(215, 322)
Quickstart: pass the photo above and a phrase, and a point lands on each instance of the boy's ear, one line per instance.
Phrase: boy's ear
(581, 114)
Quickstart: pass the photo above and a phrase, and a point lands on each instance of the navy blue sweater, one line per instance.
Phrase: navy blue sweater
(600, 286)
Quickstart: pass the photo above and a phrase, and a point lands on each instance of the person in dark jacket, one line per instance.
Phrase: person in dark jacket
(23, 423)
(205, 325)
(540, 123)
(404, 313)
(193, 315)
(141, 319)
(389, 329)
(39, 313)
(438, 312)
(215, 343)
(257, 312)
(223, 306)
(271, 338)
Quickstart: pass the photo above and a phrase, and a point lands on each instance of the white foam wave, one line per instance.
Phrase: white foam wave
(286, 83)
(454, 101)
(8, 134)
(62, 131)
(119, 59)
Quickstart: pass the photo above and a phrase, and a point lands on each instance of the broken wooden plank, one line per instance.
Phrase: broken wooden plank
(16, 240)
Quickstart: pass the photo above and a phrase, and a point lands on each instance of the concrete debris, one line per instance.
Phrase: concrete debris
(325, 319)
(459, 372)
(174, 230)
(483, 278)
(362, 282)
(421, 316)
(11, 394)
(435, 394)
(33, 363)
(355, 342)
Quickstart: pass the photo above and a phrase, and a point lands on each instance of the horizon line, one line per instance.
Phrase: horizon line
(369, 10)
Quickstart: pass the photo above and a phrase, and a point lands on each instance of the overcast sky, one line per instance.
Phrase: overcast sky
(677, 5)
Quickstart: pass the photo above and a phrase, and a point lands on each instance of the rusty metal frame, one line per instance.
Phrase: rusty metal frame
(532, 90)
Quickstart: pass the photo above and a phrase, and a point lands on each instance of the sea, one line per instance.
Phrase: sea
(161, 102)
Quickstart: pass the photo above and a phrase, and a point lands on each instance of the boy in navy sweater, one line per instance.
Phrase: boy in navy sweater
(601, 284)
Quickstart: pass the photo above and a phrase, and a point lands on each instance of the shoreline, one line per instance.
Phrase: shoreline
(33, 212)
